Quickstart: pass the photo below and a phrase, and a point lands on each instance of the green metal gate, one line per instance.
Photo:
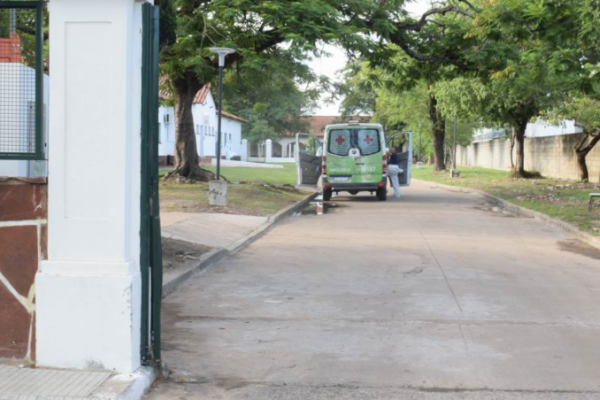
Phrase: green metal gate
(151, 251)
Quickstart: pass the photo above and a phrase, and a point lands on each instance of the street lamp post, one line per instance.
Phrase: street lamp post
(222, 52)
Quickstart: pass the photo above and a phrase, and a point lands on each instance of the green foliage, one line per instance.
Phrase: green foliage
(4, 23)
(26, 30)
(265, 89)
(249, 26)
(399, 94)
(584, 110)
(542, 44)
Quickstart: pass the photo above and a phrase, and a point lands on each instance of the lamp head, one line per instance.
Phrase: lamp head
(222, 52)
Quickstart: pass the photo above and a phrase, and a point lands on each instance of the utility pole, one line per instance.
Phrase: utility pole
(217, 189)
(222, 52)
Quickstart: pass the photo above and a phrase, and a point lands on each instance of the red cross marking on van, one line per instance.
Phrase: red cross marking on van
(340, 140)
(369, 140)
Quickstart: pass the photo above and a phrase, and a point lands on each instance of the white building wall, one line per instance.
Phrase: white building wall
(539, 128)
(268, 155)
(205, 126)
(166, 126)
(232, 138)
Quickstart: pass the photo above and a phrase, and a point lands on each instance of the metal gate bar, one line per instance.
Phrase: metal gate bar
(150, 231)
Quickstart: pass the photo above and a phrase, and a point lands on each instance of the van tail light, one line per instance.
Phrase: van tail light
(385, 165)
(381, 185)
(324, 165)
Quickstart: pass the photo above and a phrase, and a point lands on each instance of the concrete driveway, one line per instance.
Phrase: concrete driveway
(434, 296)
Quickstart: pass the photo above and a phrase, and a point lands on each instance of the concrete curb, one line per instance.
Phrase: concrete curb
(522, 212)
(126, 387)
(214, 256)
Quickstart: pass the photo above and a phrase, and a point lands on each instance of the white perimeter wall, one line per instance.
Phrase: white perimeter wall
(552, 156)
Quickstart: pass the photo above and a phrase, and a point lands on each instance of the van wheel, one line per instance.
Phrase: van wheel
(353, 192)
(327, 194)
(382, 194)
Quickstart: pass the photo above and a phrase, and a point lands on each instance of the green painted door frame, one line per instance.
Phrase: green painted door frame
(151, 250)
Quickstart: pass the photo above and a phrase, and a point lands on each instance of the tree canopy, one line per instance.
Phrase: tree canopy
(271, 90)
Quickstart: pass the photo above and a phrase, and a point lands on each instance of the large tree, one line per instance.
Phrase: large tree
(585, 111)
(425, 51)
(540, 43)
(191, 27)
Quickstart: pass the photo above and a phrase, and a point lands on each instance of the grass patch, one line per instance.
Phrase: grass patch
(247, 199)
(564, 200)
(273, 176)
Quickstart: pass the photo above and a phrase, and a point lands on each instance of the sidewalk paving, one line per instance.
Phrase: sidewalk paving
(213, 230)
(218, 232)
(18, 383)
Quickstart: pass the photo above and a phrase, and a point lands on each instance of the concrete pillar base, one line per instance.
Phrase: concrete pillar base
(217, 193)
(88, 315)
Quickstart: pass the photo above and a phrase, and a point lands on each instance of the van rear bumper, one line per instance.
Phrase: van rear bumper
(370, 186)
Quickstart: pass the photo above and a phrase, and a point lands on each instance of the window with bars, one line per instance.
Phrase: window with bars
(21, 80)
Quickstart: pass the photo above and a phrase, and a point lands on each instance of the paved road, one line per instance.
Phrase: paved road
(434, 296)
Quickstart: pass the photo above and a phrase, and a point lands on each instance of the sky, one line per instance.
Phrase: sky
(332, 65)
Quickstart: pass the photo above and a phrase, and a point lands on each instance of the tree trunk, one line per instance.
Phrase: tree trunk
(186, 153)
(519, 168)
(512, 148)
(582, 150)
(438, 134)
(584, 173)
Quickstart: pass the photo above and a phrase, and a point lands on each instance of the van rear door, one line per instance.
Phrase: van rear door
(402, 142)
(309, 151)
(369, 163)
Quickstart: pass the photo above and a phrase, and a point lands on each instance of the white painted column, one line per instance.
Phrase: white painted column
(244, 152)
(269, 150)
(89, 291)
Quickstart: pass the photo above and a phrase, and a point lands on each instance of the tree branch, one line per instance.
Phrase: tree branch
(595, 139)
(427, 58)
(418, 25)
(470, 5)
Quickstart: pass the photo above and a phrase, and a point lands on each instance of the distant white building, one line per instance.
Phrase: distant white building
(205, 115)
(283, 149)
(539, 128)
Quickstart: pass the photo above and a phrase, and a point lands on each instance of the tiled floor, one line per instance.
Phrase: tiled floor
(29, 383)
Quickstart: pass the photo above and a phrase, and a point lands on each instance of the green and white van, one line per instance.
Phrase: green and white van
(352, 158)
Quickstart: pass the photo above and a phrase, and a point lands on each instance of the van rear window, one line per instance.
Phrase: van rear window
(368, 141)
(342, 140)
(339, 142)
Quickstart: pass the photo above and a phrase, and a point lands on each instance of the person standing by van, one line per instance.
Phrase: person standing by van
(394, 170)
